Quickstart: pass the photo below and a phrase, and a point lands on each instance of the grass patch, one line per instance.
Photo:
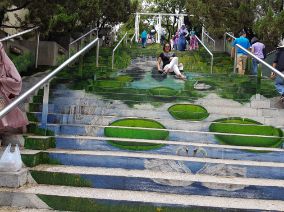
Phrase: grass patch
(32, 160)
(64, 179)
(62, 203)
(246, 127)
(39, 143)
(136, 133)
(188, 112)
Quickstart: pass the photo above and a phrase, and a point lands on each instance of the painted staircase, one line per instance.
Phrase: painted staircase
(74, 167)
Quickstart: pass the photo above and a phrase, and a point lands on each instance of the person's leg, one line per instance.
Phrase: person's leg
(254, 66)
(239, 64)
(244, 63)
(279, 85)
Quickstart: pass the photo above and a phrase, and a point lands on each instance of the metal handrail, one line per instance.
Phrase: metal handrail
(78, 39)
(208, 36)
(25, 32)
(212, 57)
(43, 82)
(18, 34)
(112, 61)
(259, 60)
(225, 35)
(131, 40)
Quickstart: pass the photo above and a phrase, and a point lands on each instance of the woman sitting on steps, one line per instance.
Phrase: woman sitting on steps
(170, 62)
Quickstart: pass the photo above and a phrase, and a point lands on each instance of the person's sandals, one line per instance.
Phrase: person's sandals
(182, 77)
(282, 98)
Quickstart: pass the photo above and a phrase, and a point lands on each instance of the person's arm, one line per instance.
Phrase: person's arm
(158, 64)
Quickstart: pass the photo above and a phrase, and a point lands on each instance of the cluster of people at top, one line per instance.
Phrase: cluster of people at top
(184, 40)
(258, 49)
(181, 41)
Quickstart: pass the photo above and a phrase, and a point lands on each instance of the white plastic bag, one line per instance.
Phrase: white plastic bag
(11, 161)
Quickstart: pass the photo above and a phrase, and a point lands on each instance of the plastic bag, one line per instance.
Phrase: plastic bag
(11, 161)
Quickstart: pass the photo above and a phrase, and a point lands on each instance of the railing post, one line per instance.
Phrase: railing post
(37, 48)
(98, 53)
(225, 42)
(235, 59)
(212, 59)
(45, 106)
(112, 60)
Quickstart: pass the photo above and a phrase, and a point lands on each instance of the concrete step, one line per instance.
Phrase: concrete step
(164, 181)
(152, 198)
(182, 148)
(156, 162)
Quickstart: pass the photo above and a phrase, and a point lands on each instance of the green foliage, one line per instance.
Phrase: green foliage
(63, 203)
(270, 27)
(39, 143)
(32, 160)
(136, 133)
(188, 112)
(246, 127)
(23, 62)
(51, 178)
(121, 59)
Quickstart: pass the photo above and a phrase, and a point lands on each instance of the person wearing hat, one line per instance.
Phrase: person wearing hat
(258, 49)
(279, 65)
(241, 54)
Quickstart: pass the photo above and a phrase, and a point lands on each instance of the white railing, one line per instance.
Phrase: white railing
(131, 40)
(211, 54)
(231, 35)
(45, 83)
(258, 59)
(112, 61)
(25, 32)
(208, 37)
(80, 44)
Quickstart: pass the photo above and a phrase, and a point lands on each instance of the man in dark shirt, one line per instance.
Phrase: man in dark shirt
(279, 65)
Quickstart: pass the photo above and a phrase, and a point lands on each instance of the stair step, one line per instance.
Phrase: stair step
(155, 198)
(166, 175)
(142, 155)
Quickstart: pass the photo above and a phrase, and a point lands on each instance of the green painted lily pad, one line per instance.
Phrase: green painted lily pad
(246, 127)
(136, 133)
(188, 112)
(163, 92)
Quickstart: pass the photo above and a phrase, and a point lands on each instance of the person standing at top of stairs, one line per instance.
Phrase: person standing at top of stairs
(242, 56)
(10, 87)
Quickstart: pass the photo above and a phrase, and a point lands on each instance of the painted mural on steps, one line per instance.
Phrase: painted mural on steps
(87, 107)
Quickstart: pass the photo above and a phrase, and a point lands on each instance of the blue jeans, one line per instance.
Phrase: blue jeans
(144, 42)
(279, 84)
(254, 66)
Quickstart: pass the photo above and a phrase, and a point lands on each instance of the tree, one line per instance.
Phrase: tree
(167, 6)
(219, 16)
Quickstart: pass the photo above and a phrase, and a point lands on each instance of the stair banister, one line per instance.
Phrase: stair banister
(79, 44)
(112, 61)
(25, 32)
(43, 82)
(225, 36)
(259, 60)
(211, 54)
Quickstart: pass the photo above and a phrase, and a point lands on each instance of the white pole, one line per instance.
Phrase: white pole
(159, 29)
(136, 28)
